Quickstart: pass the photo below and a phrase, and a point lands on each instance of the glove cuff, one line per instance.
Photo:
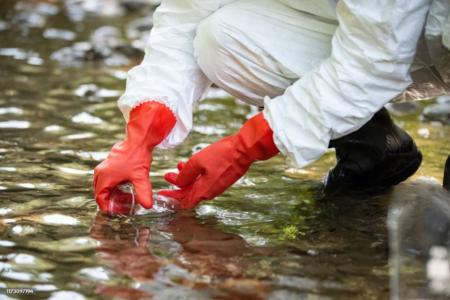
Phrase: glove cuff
(256, 139)
(149, 124)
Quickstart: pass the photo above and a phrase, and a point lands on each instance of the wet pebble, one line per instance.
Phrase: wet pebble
(75, 54)
(105, 46)
(116, 60)
(29, 15)
(3, 25)
(424, 132)
(138, 5)
(403, 108)
(78, 10)
(86, 118)
(46, 9)
(440, 111)
(35, 61)
(59, 34)
(53, 128)
(65, 295)
(443, 99)
(23, 230)
(29, 20)
(79, 136)
(15, 124)
(105, 37)
(57, 219)
(4, 243)
(139, 28)
(92, 92)
(17, 53)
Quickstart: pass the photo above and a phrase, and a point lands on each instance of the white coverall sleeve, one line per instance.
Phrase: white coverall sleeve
(372, 51)
(169, 72)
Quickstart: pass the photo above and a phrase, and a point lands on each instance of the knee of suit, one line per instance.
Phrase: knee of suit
(210, 46)
(229, 57)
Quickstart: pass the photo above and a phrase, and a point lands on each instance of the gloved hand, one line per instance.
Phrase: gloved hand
(130, 160)
(211, 171)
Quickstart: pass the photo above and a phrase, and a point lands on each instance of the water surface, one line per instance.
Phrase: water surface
(268, 237)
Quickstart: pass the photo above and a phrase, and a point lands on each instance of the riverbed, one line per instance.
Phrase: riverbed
(270, 236)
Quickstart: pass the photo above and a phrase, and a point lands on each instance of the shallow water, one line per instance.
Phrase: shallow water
(268, 237)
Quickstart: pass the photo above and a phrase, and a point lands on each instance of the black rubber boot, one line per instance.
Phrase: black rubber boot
(375, 157)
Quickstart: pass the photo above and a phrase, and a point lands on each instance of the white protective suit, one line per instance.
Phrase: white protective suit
(320, 68)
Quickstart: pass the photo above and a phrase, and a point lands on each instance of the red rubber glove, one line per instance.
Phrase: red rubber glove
(211, 171)
(130, 160)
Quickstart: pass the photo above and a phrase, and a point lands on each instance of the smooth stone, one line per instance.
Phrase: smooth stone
(439, 112)
(139, 27)
(403, 108)
(59, 34)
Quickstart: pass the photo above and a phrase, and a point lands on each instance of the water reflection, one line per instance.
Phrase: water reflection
(190, 250)
(181, 252)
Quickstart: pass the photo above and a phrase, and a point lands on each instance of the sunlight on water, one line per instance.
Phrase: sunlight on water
(268, 237)
(57, 219)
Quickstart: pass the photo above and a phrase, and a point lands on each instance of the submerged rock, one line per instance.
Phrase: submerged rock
(29, 20)
(91, 92)
(86, 118)
(424, 132)
(138, 5)
(3, 25)
(46, 9)
(17, 53)
(31, 15)
(105, 46)
(140, 27)
(106, 37)
(440, 111)
(59, 34)
(72, 55)
(77, 10)
(403, 108)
